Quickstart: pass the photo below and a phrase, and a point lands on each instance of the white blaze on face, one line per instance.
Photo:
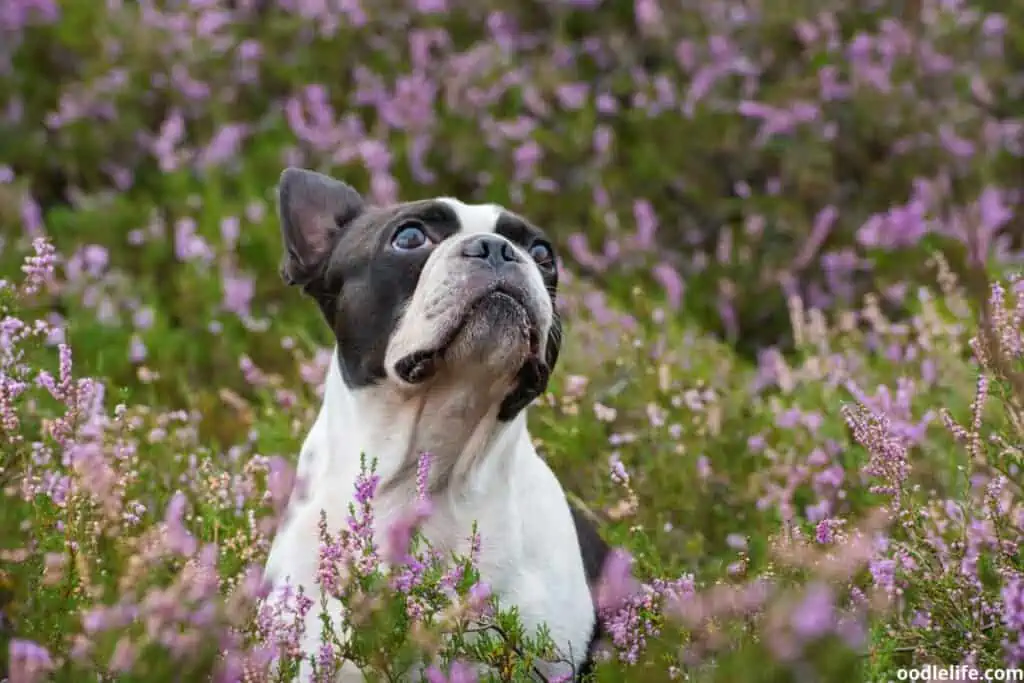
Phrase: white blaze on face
(474, 219)
(449, 280)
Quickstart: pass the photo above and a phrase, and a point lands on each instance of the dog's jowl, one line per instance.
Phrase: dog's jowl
(445, 326)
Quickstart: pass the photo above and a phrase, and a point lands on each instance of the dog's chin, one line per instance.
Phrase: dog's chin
(497, 333)
(496, 336)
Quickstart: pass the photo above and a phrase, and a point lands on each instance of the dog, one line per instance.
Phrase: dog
(445, 329)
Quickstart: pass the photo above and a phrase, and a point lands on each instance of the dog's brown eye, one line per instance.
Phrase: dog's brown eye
(541, 253)
(409, 237)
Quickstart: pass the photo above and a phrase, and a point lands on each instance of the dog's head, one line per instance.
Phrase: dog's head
(424, 290)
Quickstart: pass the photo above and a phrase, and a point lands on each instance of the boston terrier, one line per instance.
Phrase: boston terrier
(444, 320)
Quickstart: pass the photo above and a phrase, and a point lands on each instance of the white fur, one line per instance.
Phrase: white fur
(474, 218)
(529, 554)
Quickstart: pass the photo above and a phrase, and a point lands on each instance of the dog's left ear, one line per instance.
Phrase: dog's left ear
(313, 209)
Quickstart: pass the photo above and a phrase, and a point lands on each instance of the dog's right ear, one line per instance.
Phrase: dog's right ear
(313, 208)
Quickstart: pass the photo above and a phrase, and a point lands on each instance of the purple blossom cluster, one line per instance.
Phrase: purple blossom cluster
(85, 474)
(934, 85)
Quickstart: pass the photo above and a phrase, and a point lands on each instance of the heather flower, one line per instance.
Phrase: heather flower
(478, 598)
(29, 662)
(326, 664)
(630, 621)
(616, 583)
(671, 282)
(178, 538)
(238, 294)
(883, 573)
(422, 474)
(281, 621)
(814, 615)
(888, 455)
(459, 672)
(400, 531)
(826, 530)
(1013, 619)
(38, 269)
(618, 473)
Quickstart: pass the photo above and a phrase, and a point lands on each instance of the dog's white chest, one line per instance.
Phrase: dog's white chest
(528, 555)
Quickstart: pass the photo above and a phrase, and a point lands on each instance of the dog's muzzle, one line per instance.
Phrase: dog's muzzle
(499, 300)
(493, 290)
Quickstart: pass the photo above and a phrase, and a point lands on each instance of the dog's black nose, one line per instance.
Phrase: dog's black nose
(496, 250)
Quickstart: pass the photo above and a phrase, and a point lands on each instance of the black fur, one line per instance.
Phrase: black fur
(595, 551)
(337, 249)
(365, 285)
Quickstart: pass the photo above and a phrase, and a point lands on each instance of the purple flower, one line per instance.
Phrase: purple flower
(400, 531)
(238, 293)
(1012, 595)
(888, 463)
(38, 269)
(224, 145)
(616, 584)
(883, 573)
(478, 597)
(670, 280)
(189, 245)
(824, 533)
(29, 661)
(459, 672)
(815, 614)
(177, 537)
(423, 474)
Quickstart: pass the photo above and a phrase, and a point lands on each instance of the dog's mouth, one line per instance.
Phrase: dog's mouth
(421, 365)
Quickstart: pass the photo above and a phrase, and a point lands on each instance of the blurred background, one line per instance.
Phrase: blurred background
(721, 155)
(726, 180)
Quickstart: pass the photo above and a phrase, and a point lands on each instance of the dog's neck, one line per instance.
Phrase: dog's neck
(454, 420)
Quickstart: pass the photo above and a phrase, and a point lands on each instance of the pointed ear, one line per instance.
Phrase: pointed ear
(313, 208)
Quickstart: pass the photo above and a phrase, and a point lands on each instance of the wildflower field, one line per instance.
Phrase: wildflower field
(791, 392)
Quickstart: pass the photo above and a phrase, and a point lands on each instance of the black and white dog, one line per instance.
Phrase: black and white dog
(444, 317)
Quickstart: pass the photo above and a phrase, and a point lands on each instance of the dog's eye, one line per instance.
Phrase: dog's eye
(409, 236)
(542, 254)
